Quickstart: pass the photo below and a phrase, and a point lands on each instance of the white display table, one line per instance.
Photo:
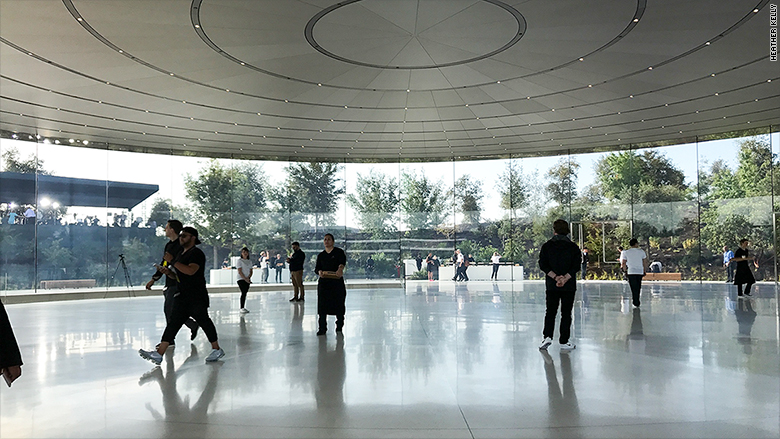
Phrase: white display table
(230, 276)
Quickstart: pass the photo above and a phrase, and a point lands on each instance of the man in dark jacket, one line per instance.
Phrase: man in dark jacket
(296, 272)
(559, 260)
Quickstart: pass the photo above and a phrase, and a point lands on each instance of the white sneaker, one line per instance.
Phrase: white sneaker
(567, 347)
(243, 310)
(215, 355)
(152, 356)
(545, 344)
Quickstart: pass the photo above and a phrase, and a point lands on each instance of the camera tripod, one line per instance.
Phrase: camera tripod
(128, 283)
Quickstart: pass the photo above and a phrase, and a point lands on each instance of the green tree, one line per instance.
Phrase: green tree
(376, 202)
(423, 201)
(563, 181)
(467, 196)
(314, 189)
(31, 165)
(226, 200)
(754, 174)
(512, 188)
(649, 177)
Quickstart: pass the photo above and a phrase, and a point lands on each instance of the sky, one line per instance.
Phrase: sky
(167, 171)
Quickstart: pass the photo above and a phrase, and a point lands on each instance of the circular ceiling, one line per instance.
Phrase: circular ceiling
(384, 80)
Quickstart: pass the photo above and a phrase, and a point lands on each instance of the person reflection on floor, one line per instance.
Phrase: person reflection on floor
(177, 408)
(331, 375)
(635, 340)
(564, 410)
(746, 316)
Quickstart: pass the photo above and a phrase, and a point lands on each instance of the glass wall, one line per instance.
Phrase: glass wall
(93, 215)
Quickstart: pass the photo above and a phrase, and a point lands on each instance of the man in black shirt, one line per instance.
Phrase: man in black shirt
(279, 266)
(10, 355)
(172, 229)
(296, 272)
(192, 299)
(559, 260)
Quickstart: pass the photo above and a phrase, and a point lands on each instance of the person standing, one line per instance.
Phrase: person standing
(496, 261)
(296, 272)
(192, 299)
(436, 265)
(279, 266)
(634, 263)
(244, 266)
(370, 267)
(742, 274)
(264, 264)
(429, 266)
(728, 255)
(10, 355)
(559, 259)
(584, 262)
(331, 290)
(172, 229)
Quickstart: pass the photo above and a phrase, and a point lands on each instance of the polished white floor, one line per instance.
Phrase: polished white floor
(433, 360)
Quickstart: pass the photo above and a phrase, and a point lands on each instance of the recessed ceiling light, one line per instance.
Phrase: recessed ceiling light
(197, 26)
(69, 140)
(227, 90)
(498, 82)
(171, 74)
(631, 96)
(346, 106)
(650, 68)
(407, 90)
(121, 51)
(590, 85)
(716, 94)
(582, 59)
(286, 101)
(755, 10)
(80, 19)
(636, 20)
(243, 63)
(707, 43)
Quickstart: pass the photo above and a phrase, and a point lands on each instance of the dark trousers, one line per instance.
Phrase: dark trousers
(463, 275)
(584, 268)
(730, 273)
(323, 322)
(566, 300)
(495, 272)
(168, 293)
(747, 288)
(279, 275)
(244, 287)
(185, 308)
(635, 282)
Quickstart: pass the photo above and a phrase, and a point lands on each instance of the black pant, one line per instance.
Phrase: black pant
(566, 299)
(279, 275)
(584, 270)
(635, 282)
(168, 293)
(244, 287)
(495, 272)
(323, 322)
(747, 288)
(183, 309)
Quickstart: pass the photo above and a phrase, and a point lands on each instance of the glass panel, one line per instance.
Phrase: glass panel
(427, 220)
(372, 218)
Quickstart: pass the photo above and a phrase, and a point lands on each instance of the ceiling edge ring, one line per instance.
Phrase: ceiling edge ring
(309, 34)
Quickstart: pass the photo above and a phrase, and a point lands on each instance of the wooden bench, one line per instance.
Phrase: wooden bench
(68, 283)
(663, 276)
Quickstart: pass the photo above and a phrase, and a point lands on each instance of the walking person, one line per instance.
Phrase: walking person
(495, 260)
(728, 255)
(296, 272)
(742, 273)
(192, 299)
(244, 266)
(559, 259)
(172, 229)
(279, 266)
(634, 263)
(331, 290)
(584, 262)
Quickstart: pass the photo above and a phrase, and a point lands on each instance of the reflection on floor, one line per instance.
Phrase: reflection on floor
(431, 360)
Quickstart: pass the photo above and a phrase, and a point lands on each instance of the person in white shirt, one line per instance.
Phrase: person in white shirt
(495, 260)
(634, 262)
(244, 266)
